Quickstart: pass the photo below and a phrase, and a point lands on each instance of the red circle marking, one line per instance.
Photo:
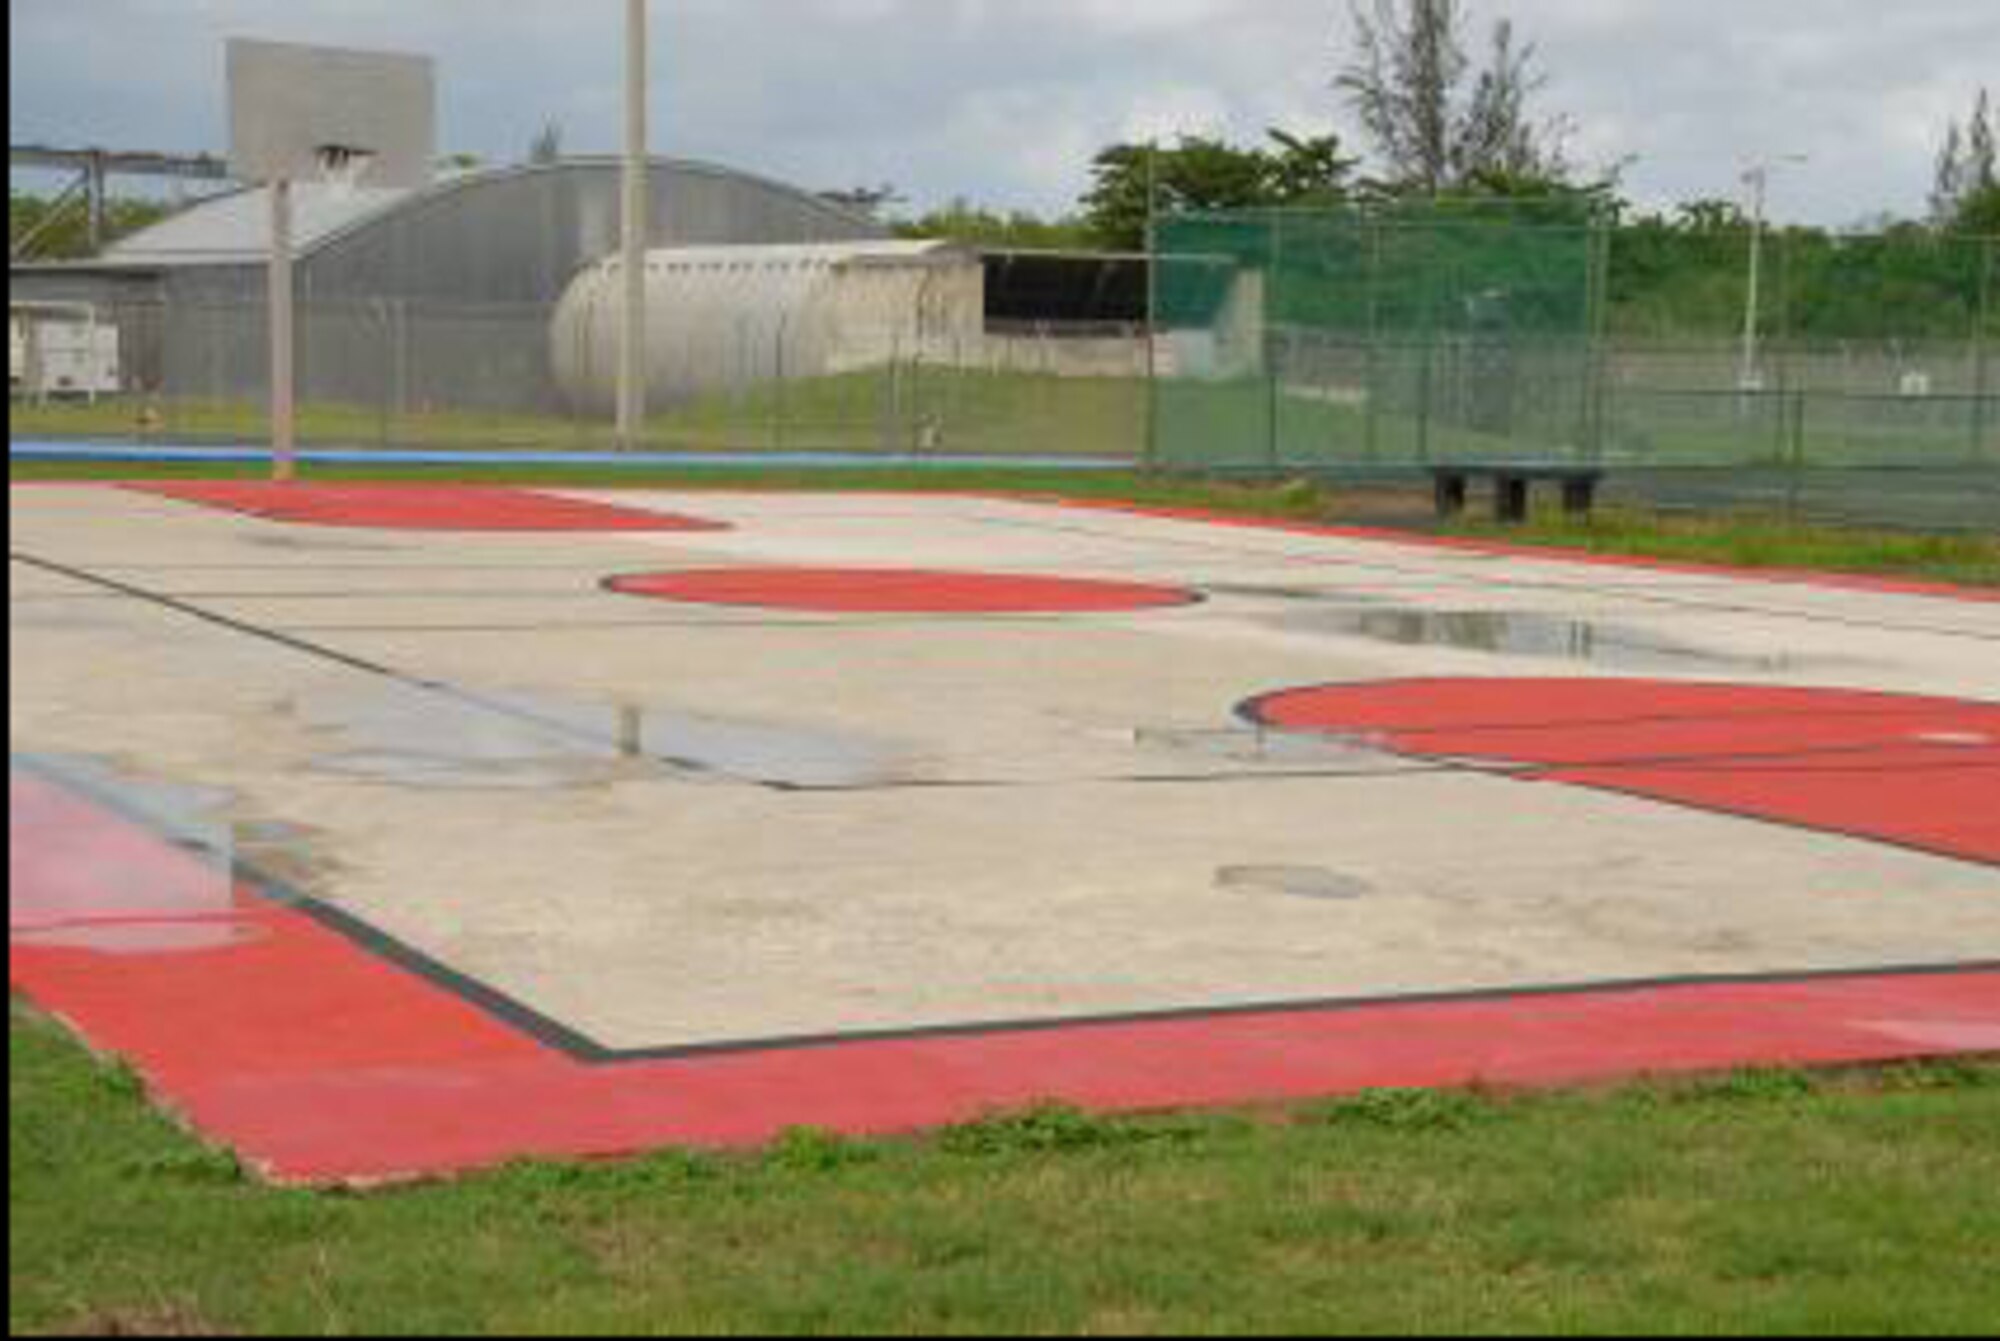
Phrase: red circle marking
(1900, 768)
(898, 591)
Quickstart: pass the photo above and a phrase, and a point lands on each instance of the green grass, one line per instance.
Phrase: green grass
(1754, 541)
(975, 413)
(1761, 1203)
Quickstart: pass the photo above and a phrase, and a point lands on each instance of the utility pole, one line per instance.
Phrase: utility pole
(1758, 178)
(637, 198)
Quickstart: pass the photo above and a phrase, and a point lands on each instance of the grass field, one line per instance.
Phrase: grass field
(905, 409)
(1241, 424)
(1762, 1203)
(1743, 539)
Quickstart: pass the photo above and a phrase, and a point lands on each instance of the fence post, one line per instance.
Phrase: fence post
(1980, 386)
(1150, 444)
(778, 402)
(1372, 410)
(1272, 288)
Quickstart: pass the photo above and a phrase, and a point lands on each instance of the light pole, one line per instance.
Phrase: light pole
(635, 225)
(1758, 178)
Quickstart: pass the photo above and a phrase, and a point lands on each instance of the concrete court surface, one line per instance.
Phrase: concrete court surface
(657, 827)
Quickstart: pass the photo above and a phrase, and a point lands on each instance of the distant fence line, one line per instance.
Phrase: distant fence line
(1281, 343)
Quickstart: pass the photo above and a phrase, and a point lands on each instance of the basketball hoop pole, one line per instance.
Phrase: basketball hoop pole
(284, 428)
(632, 347)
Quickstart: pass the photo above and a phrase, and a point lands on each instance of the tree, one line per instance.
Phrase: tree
(547, 146)
(868, 200)
(962, 221)
(1132, 182)
(1407, 82)
(1968, 167)
(1980, 213)
(60, 230)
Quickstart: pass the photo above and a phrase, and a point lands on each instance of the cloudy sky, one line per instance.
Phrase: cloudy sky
(1004, 101)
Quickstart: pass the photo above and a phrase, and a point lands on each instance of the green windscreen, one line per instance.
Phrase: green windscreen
(1395, 336)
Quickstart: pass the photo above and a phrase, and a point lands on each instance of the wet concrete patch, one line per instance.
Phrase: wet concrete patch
(1279, 592)
(1531, 634)
(1261, 746)
(1298, 882)
(323, 545)
(521, 741)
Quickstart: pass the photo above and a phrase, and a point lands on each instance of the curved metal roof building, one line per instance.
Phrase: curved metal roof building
(446, 290)
(512, 235)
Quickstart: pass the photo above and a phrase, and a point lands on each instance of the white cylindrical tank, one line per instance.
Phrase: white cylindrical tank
(723, 319)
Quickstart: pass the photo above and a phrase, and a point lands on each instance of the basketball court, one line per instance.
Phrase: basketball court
(392, 830)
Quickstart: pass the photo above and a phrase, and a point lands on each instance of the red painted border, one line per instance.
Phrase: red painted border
(416, 507)
(320, 1062)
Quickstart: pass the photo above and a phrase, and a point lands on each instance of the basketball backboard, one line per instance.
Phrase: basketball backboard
(304, 114)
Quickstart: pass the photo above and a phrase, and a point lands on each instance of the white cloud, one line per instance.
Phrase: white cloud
(1004, 101)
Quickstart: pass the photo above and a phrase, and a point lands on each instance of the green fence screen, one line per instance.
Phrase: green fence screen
(1392, 338)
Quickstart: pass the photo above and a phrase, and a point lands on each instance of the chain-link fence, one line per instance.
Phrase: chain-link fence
(1862, 379)
(397, 373)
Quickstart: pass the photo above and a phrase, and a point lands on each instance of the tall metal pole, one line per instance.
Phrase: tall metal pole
(1150, 452)
(284, 428)
(637, 192)
(1759, 178)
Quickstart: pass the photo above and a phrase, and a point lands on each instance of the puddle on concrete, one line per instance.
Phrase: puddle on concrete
(1278, 749)
(88, 891)
(1529, 634)
(323, 545)
(144, 938)
(1276, 592)
(517, 741)
(1298, 882)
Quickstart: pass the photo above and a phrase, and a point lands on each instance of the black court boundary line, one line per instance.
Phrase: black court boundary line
(512, 1013)
(1251, 710)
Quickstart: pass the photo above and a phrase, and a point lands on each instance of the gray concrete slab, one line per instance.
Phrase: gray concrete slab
(668, 825)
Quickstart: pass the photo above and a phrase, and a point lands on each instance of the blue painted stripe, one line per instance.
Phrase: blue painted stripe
(167, 453)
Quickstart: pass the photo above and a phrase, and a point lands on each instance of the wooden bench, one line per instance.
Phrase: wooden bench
(1513, 484)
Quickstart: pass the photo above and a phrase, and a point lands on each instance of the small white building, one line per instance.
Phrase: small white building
(60, 350)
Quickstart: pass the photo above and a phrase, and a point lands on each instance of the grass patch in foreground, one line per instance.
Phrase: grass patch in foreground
(1766, 1202)
(1748, 540)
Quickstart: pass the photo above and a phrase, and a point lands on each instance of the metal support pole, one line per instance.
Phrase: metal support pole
(637, 190)
(284, 426)
(96, 175)
(1150, 450)
(1759, 179)
(1981, 385)
(1274, 409)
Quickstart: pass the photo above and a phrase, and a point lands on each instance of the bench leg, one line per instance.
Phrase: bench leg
(1512, 502)
(1451, 494)
(1579, 497)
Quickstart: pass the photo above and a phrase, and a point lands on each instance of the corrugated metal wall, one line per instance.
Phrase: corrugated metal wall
(445, 299)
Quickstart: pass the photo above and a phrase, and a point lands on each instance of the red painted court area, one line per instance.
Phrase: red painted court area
(1919, 772)
(898, 591)
(418, 507)
(319, 1058)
